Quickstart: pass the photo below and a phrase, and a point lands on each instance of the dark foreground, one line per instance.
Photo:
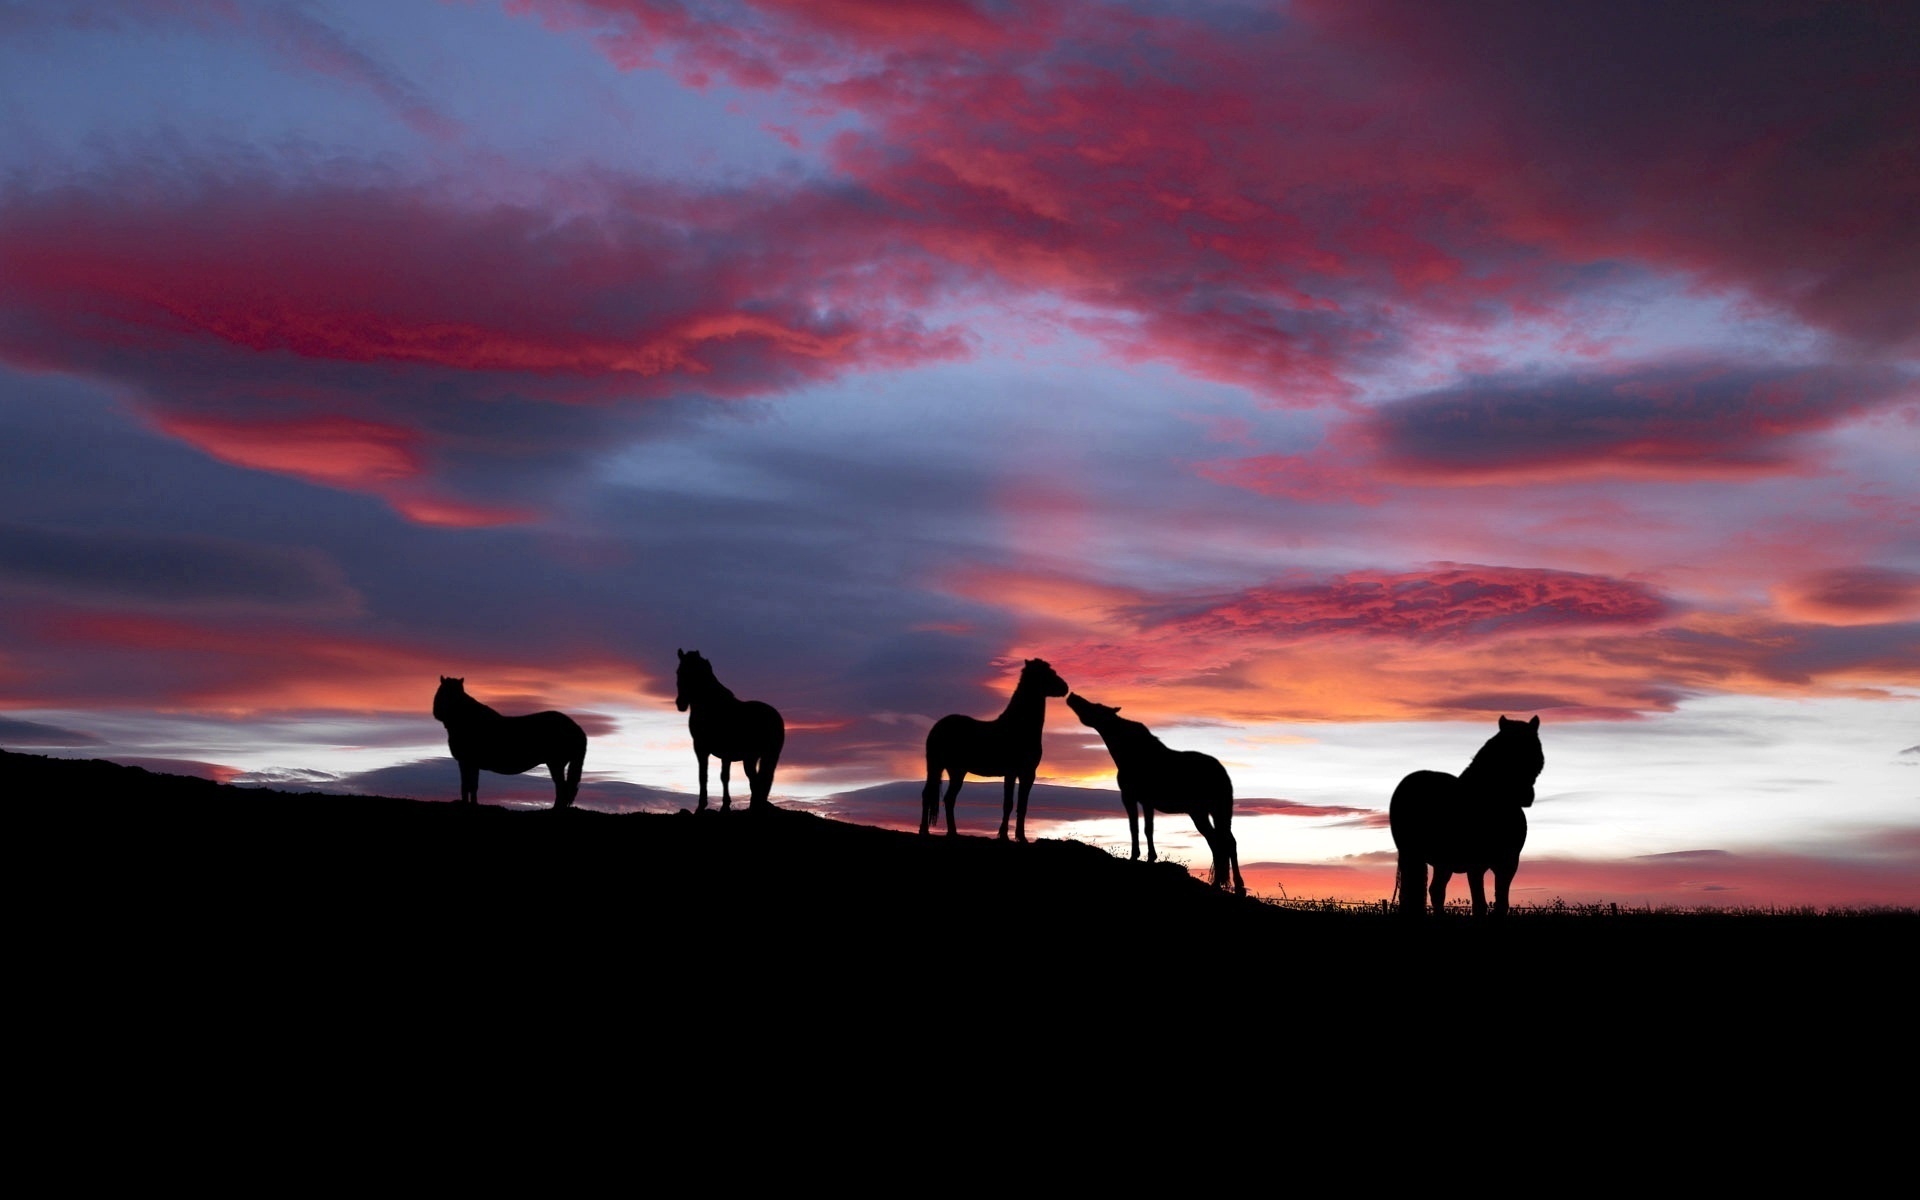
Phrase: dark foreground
(164, 882)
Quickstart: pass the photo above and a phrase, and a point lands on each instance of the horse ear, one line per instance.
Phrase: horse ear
(1535, 723)
(680, 652)
(1116, 710)
(1504, 722)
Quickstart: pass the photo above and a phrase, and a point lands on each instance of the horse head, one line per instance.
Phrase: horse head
(446, 701)
(1038, 674)
(1515, 758)
(1100, 717)
(692, 676)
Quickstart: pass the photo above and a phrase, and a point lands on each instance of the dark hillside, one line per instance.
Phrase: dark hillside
(169, 877)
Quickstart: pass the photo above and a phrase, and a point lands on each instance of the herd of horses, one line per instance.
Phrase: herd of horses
(1470, 823)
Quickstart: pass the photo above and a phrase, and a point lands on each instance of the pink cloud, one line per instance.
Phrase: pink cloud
(1861, 595)
(294, 328)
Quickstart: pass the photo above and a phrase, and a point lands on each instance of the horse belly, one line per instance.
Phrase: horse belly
(965, 745)
(1152, 789)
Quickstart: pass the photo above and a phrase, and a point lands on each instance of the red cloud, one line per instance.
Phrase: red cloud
(1436, 645)
(296, 329)
(1452, 601)
(1272, 199)
(339, 451)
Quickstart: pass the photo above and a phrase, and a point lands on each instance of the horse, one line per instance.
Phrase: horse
(1008, 745)
(1472, 824)
(481, 738)
(749, 732)
(1154, 775)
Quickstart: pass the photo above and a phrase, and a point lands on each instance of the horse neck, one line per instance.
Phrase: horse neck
(1132, 738)
(467, 710)
(716, 695)
(1028, 705)
(1494, 765)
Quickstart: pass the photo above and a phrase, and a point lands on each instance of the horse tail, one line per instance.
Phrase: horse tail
(930, 794)
(1223, 821)
(769, 759)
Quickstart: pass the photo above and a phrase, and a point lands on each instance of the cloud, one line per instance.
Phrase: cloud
(1280, 200)
(15, 732)
(1861, 595)
(1674, 422)
(329, 329)
(157, 571)
(294, 38)
(1448, 601)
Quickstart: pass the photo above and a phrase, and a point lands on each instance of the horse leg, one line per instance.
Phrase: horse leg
(958, 777)
(1413, 886)
(1020, 819)
(1502, 883)
(700, 756)
(1006, 806)
(1133, 823)
(1438, 889)
(750, 765)
(559, 772)
(726, 776)
(1477, 885)
(1152, 854)
(1224, 824)
(929, 798)
(1214, 845)
(768, 761)
(469, 782)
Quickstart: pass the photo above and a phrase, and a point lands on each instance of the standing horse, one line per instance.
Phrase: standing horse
(1153, 775)
(748, 732)
(1008, 745)
(481, 738)
(1471, 824)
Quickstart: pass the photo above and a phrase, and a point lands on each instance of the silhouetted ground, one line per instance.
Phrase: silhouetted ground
(169, 886)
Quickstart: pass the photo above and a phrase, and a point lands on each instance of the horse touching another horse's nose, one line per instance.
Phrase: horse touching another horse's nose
(1008, 745)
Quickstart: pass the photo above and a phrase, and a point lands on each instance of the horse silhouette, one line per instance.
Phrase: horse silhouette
(482, 739)
(1008, 745)
(749, 732)
(1471, 824)
(1154, 775)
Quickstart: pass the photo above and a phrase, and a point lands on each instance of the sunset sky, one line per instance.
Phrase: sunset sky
(1317, 381)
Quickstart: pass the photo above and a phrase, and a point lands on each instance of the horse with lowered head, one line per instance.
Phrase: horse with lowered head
(1471, 824)
(1154, 775)
(749, 732)
(1008, 745)
(481, 739)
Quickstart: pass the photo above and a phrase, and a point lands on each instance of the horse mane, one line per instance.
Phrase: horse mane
(457, 703)
(705, 682)
(1508, 753)
(1135, 733)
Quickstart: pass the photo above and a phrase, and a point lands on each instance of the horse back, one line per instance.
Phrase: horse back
(511, 745)
(742, 729)
(967, 745)
(1176, 781)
